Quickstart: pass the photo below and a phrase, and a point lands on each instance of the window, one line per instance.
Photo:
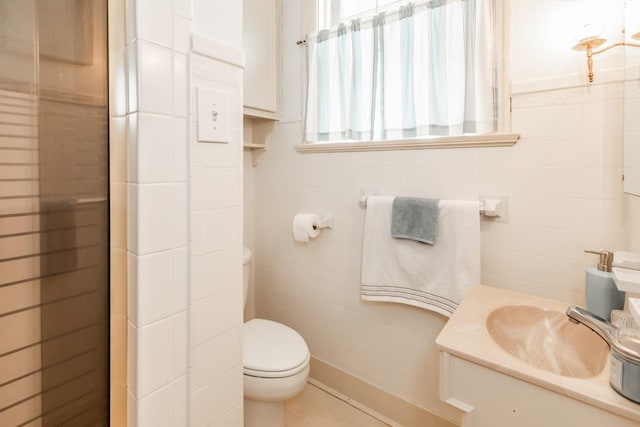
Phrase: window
(383, 70)
(333, 12)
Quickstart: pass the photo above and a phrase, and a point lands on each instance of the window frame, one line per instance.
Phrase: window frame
(503, 137)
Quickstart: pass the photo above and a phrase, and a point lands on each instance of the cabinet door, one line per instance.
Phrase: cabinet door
(260, 43)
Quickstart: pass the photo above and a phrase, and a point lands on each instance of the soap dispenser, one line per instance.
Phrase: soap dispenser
(600, 289)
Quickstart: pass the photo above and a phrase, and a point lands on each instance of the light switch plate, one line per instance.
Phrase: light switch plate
(213, 116)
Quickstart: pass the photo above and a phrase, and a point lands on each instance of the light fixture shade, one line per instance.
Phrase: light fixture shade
(632, 19)
(590, 19)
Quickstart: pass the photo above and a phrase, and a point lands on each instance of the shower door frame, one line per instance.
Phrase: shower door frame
(118, 210)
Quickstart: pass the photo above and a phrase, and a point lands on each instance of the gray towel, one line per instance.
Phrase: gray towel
(415, 219)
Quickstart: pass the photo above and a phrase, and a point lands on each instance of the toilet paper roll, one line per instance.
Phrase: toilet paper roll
(303, 227)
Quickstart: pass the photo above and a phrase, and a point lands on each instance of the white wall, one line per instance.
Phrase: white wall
(543, 33)
(216, 251)
(633, 215)
(218, 20)
(562, 179)
(184, 219)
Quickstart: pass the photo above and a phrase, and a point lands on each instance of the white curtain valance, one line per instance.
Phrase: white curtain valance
(427, 69)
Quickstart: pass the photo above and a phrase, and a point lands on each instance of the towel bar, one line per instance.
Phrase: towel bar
(489, 208)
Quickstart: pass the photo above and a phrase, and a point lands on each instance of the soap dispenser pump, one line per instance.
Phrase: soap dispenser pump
(600, 289)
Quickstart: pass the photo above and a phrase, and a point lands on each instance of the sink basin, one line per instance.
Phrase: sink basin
(547, 340)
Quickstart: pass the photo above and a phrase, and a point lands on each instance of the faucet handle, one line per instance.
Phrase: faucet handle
(606, 259)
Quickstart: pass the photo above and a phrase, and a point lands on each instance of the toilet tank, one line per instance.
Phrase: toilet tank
(246, 270)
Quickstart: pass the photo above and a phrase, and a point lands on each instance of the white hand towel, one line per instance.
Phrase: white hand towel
(431, 277)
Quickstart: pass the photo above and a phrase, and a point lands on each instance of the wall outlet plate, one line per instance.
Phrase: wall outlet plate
(213, 116)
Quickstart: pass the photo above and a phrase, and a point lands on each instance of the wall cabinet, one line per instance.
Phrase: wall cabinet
(261, 42)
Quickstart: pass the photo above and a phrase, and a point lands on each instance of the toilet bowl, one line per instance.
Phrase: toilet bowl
(276, 366)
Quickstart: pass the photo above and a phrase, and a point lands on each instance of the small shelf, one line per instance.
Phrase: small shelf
(256, 150)
(249, 145)
(256, 134)
(255, 113)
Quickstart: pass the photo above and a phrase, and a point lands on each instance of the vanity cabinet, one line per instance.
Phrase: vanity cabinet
(492, 386)
(488, 398)
(261, 43)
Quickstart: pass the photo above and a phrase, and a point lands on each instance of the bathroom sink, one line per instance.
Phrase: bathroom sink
(547, 340)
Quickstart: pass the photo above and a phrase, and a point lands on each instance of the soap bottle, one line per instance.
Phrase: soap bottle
(601, 291)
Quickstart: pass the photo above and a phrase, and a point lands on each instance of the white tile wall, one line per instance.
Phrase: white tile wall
(180, 215)
(214, 315)
(155, 77)
(633, 213)
(180, 151)
(180, 279)
(155, 149)
(563, 183)
(231, 418)
(563, 198)
(217, 20)
(213, 402)
(182, 8)
(181, 34)
(213, 356)
(180, 405)
(180, 345)
(155, 218)
(153, 20)
(216, 252)
(154, 284)
(248, 192)
(180, 89)
(210, 276)
(157, 409)
(158, 211)
(155, 356)
(132, 76)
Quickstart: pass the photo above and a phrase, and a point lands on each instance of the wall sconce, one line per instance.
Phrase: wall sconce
(591, 42)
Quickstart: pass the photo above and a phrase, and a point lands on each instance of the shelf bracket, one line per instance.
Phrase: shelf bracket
(258, 131)
(255, 153)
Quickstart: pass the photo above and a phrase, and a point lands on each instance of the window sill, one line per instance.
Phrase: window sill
(475, 141)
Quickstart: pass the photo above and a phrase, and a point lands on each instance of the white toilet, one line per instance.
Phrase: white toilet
(276, 365)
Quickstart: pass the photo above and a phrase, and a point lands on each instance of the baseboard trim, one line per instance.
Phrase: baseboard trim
(368, 398)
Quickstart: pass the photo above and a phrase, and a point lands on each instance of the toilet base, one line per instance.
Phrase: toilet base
(263, 414)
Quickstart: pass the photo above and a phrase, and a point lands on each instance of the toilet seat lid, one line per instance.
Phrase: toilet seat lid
(273, 350)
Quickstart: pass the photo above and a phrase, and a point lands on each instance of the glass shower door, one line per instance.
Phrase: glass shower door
(54, 296)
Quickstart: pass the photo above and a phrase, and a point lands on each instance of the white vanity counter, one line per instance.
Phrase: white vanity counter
(492, 386)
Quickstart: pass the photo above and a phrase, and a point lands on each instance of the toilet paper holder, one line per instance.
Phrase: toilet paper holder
(325, 221)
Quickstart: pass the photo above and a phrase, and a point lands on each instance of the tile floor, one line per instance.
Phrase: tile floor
(317, 408)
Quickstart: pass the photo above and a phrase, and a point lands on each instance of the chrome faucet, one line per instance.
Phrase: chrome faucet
(600, 326)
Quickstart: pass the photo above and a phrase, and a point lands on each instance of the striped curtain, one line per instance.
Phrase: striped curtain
(426, 69)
